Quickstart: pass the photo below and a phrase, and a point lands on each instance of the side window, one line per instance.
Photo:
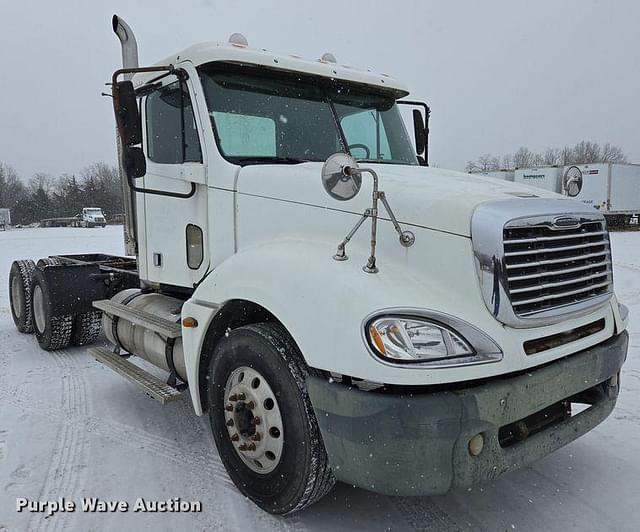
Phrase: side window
(172, 135)
(366, 136)
(245, 135)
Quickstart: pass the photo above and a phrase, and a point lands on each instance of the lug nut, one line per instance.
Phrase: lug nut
(229, 408)
(229, 422)
(251, 405)
(242, 447)
(233, 397)
(235, 437)
(251, 447)
(256, 437)
(257, 420)
(241, 397)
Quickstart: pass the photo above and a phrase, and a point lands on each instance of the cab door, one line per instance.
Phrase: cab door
(172, 207)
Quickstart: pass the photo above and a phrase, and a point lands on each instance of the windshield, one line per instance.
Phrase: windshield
(93, 211)
(262, 117)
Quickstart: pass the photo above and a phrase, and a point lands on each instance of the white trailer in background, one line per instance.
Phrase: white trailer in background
(545, 177)
(505, 175)
(611, 188)
(5, 219)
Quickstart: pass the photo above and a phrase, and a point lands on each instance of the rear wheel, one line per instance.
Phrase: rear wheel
(52, 332)
(20, 283)
(48, 261)
(263, 422)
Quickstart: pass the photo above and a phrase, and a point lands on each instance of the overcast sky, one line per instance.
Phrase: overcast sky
(498, 74)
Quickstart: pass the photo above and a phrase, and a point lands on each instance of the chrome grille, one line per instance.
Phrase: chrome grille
(548, 267)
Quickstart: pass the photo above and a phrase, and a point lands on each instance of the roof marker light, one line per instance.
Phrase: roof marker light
(328, 57)
(237, 39)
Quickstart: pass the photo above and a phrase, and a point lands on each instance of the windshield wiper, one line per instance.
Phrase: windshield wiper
(242, 161)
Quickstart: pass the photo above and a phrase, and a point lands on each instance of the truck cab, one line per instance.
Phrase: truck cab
(90, 217)
(336, 307)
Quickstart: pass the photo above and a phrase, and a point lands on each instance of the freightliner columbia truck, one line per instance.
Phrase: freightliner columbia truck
(337, 308)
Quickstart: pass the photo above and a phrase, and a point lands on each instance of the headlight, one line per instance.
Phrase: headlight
(430, 340)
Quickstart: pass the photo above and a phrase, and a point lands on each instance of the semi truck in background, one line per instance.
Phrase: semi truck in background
(88, 217)
(338, 309)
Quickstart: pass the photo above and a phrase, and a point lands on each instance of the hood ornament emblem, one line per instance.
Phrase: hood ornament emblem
(342, 178)
(565, 222)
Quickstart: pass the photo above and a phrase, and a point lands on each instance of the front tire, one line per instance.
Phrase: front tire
(20, 284)
(52, 332)
(257, 377)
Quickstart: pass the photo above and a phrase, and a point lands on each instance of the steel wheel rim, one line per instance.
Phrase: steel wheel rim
(253, 420)
(16, 299)
(38, 308)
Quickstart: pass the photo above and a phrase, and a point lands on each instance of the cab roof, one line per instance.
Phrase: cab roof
(203, 53)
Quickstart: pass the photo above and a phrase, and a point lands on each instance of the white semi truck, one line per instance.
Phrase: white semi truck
(87, 217)
(338, 309)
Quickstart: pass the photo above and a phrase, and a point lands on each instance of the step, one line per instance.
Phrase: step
(144, 319)
(150, 384)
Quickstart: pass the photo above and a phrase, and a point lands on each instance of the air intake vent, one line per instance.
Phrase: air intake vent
(548, 265)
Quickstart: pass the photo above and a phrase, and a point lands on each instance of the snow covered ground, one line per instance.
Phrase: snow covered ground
(71, 427)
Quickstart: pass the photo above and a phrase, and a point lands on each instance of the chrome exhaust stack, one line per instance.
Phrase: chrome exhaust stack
(129, 47)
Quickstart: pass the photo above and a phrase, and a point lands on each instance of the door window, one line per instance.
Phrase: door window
(172, 135)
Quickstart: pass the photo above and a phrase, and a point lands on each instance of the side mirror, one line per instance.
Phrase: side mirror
(338, 178)
(419, 132)
(125, 106)
(420, 129)
(134, 162)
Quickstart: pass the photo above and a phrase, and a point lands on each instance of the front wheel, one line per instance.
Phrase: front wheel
(263, 422)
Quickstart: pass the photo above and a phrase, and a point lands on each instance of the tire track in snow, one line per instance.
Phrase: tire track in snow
(68, 462)
(69, 455)
(206, 461)
(422, 514)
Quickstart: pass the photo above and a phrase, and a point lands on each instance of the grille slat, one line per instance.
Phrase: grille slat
(546, 286)
(561, 294)
(556, 261)
(553, 250)
(548, 267)
(553, 238)
(539, 275)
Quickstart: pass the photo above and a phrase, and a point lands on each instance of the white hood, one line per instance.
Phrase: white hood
(433, 198)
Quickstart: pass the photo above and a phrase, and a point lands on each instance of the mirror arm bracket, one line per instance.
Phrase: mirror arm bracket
(407, 238)
(341, 254)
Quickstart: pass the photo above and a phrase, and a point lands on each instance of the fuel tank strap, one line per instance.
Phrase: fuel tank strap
(115, 319)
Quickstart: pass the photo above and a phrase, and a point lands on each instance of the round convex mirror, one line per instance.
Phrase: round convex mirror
(338, 179)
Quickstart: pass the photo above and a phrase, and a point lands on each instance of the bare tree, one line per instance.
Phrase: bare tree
(11, 188)
(524, 158)
(551, 157)
(584, 152)
(41, 180)
(612, 154)
(484, 163)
